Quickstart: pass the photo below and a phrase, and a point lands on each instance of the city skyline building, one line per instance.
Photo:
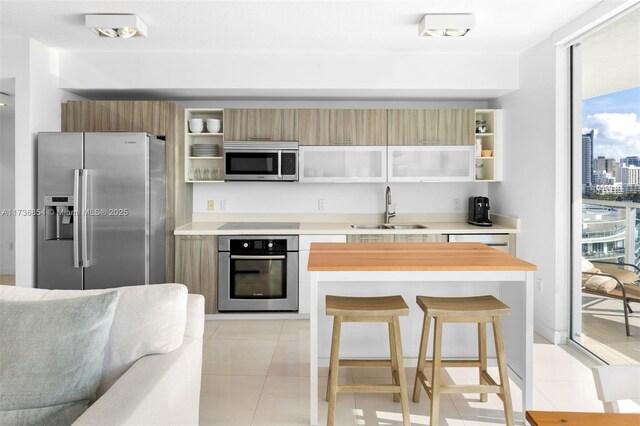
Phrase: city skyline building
(587, 159)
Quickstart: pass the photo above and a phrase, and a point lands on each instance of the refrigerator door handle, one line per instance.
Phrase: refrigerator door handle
(76, 236)
(85, 252)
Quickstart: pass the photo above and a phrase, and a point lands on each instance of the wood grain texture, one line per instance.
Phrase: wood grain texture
(397, 238)
(196, 267)
(402, 126)
(420, 238)
(342, 126)
(370, 127)
(412, 257)
(167, 121)
(479, 306)
(431, 127)
(366, 306)
(260, 124)
(351, 127)
(549, 418)
(370, 238)
(456, 126)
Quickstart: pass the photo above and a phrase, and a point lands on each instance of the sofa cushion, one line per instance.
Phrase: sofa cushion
(148, 320)
(51, 354)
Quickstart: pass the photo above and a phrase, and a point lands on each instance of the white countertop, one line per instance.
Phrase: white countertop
(328, 228)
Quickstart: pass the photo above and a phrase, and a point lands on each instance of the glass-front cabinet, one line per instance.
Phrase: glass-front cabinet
(339, 164)
(431, 163)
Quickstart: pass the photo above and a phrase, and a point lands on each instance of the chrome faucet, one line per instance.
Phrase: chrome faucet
(387, 214)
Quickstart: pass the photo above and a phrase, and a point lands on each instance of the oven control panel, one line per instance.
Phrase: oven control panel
(258, 246)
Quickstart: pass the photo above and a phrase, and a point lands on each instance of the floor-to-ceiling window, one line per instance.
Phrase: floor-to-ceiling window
(606, 184)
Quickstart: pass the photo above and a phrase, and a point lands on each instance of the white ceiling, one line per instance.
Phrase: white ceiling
(508, 26)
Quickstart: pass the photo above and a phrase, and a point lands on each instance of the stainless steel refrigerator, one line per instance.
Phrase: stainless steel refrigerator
(101, 210)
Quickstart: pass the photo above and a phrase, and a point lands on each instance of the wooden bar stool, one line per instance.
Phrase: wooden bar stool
(368, 309)
(481, 310)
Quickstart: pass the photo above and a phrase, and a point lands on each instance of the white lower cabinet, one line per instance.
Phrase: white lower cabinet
(304, 282)
(338, 164)
(431, 163)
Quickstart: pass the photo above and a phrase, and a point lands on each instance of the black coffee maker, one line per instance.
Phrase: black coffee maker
(479, 211)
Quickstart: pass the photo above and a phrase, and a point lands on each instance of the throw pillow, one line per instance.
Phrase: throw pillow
(51, 356)
(600, 283)
(149, 319)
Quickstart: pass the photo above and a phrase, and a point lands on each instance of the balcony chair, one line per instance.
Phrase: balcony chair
(626, 283)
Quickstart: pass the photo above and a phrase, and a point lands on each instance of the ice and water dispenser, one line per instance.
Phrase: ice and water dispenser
(59, 217)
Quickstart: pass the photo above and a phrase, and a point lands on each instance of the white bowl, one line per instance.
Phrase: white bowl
(196, 125)
(213, 125)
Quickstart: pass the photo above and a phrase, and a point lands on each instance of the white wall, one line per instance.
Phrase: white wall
(445, 73)
(7, 191)
(15, 64)
(37, 108)
(283, 197)
(529, 173)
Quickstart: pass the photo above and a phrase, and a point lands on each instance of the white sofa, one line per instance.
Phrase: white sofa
(161, 389)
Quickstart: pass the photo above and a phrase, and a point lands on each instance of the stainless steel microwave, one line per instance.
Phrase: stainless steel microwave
(260, 160)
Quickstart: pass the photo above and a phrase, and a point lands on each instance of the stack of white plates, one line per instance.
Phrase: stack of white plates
(205, 150)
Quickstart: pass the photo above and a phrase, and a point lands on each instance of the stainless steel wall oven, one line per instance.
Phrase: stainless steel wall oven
(258, 273)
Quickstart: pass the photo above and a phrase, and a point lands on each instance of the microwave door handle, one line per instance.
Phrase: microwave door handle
(78, 214)
(279, 164)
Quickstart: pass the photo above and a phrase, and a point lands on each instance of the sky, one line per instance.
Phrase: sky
(615, 117)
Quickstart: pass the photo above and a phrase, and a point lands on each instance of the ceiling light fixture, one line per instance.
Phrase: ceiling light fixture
(446, 24)
(116, 25)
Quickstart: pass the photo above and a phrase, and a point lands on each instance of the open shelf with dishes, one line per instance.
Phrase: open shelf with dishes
(488, 144)
(203, 137)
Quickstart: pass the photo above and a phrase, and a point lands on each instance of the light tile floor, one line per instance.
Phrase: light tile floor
(257, 373)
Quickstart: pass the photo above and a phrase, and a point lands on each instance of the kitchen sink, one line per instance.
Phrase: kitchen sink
(406, 226)
(371, 226)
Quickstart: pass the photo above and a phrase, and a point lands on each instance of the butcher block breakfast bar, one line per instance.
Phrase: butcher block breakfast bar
(421, 269)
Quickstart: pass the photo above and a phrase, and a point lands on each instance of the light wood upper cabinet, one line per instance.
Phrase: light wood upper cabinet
(342, 127)
(431, 126)
(371, 127)
(456, 126)
(260, 124)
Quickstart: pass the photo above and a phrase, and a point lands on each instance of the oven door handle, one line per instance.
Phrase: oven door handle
(248, 257)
